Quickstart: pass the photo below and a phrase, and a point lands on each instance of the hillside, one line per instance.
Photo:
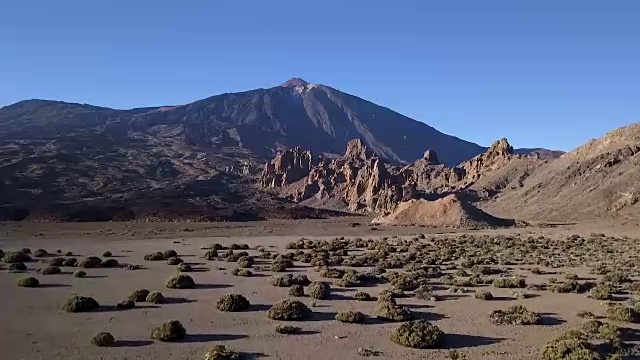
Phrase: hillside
(598, 179)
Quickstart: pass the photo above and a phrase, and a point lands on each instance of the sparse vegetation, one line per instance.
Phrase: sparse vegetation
(221, 352)
(296, 290)
(79, 303)
(289, 309)
(350, 316)
(103, 339)
(184, 267)
(418, 334)
(287, 329)
(483, 295)
(390, 311)
(28, 282)
(50, 270)
(90, 262)
(232, 302)
(319, 290)
(79, 273)
(126, 304)
(155, 297)
(514, 315)
(15, 257)
(181, 281)
(169, 331)
(362, 296)
(139, 295)
(510, 282)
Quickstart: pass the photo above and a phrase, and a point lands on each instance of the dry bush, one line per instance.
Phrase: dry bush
(362, 296)
(296, 290)
(390, 311)
(211, 254)
(155, 297)
(174, 260)
(169, 254)
(288, 279)
(126, 304)
(103, 339)
(622, 313)
(232, 302)
(169, 331)
(221, 352)
(15, 257)
(51, 270)
(70, 262)
(483, 295)
(510, 282)
(110, 263)
(287, 329)
(418, 334)
(180, 281)
(79, 274)
(572, 348)
(319, 290)
(289, 309)
(514, 315)
(18, 266)
(246, 262)
(40, 253)
(79, 303)
(157, 256)
(139, 295)
(28, 282)
(350, 316)
(107, 254)
(90, 262)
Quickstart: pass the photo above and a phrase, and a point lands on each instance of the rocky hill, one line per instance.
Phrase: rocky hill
(596, 180)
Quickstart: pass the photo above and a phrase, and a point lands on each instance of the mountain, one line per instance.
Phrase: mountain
(54, 153)
(596, 180)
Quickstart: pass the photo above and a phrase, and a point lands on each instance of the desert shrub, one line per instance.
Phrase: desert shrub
(181, 281)
(621, 313)
(278, 267)
(319, 290)
(289, 279)
(586, 314)
(447, 279)
(51, 270)
(571, 276)
(15, 257)
(154, 297)
(602, 291)
(591, 327)
(58, 261)
(287, 329)
(107, 254)
(174, 260)
(331, 273)
(211, 254)
(514, 315)
(509, 282)
(18, 266)
(483, 295)
(169, 254)
(25, 250)
(296, 290)
(139, 295)
(405, 282)
(289, 309)
(362, 296)
(424, 292)
(126, 304)
(28, 282)
(616, 278)
(221, 352)
(232, 302)
(610, 334)
(184, 267)
(132, 267)
(79, 274)
(418, 334)
(240, 246)
(246, 262)
(110, 263)
(242, 272)
(390, 311)
(520, 295)
(90, 262)
(70, 262)
(571, 286)
(234, 257)
(40, 253)
(79, 303)
(572, 348)
(157, 256)
(103, 339)
(350, 316)
(169, 331)
(68, 253)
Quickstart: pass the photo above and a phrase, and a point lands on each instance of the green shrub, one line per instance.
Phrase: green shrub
(362, 296)
(139, 295)
(514, 315)
(350, 316)
(232, 302)
(319, 290)
(573, 349)
(287, 329)
(622, 313)
(586, 314)
(484, 295)
(126, 304)
(246, 262)
(155, 297)
(51, 270)
(28, 282)
(15, 257)
(602, 291)
(103, 339)
(509, 282)
(181, 281)
(174, 260)
(169, 331)
(79, 303)
(220, 352)
(390, 311)
(296, 290)
(289, 309)
(184, 267)
(418, 334)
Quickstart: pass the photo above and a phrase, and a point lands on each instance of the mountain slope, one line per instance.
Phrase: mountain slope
(598, 179)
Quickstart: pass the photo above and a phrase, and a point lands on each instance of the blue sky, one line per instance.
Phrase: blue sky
(542, 73)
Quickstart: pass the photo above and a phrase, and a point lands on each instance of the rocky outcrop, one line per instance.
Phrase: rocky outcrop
(288, 167)
(360, 181)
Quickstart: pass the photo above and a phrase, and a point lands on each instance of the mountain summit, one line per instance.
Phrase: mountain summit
(293, 82)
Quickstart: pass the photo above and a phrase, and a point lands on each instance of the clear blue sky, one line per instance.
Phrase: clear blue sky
(542, 73)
